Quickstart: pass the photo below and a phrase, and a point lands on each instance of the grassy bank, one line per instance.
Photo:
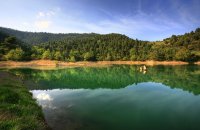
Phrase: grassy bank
(18, 111)
(51, 63)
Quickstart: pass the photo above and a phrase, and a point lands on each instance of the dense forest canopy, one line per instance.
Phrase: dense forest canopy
(18, 45)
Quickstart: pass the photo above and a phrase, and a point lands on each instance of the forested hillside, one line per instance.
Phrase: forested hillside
(35, 38)
(13, 49)
(96, 47)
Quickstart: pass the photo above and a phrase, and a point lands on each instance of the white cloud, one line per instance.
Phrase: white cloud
(44, 96)
(44, 19)
(48, 13)
(45, 14)
(42, 24)
(41, 14)
(134, 26)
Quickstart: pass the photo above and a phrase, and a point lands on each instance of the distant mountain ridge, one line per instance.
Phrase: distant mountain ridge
(35, 38)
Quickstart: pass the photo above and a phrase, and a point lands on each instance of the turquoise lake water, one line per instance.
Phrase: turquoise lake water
(117, 97)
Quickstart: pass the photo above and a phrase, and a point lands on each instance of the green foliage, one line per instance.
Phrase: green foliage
(157, 52)
(183, 54)
(96, 47)
(72, 59)
(37, 53)
(88, 56)
(33, 38)
(133, 54)
(7, 44)
(18, 110)
(12, 48)
(57, 55)
(74, 56)
(46, 55)
(108, 57)
(15, 54)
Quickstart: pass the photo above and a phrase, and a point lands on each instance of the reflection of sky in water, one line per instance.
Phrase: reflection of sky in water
(47, 98)
(43, 96)
(44, 99)
(155, 92)
(66, 107)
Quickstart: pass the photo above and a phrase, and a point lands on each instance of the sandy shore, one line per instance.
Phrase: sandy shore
(50, 63)
(197, 63)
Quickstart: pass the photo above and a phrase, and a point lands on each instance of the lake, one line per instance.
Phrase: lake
(119, 97)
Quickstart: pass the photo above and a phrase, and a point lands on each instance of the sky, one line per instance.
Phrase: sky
(142, 19)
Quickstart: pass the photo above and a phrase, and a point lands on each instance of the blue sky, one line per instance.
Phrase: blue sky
(141, 19)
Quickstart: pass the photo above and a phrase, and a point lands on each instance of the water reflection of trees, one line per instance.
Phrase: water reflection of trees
(184, 77)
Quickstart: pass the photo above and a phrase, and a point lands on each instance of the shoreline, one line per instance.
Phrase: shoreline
(52, 63)
(18, 109)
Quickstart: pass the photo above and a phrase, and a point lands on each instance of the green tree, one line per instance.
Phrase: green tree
(108, 57)
(183, 54)
(11, 42)
(72, 59)
(132, 54)
(77, 47)
(88, 56)
(46, 54)
(74, 55)
(15, 54)
(57, 55)
(37, 52)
